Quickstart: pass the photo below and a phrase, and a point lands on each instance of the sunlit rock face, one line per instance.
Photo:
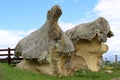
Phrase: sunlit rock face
(91, 52)
(89, 41)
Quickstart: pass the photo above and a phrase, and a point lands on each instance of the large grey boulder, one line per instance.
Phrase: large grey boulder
(88, 31)
(38, 44)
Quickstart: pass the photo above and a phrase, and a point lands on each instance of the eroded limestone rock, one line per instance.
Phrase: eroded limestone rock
(88, 39)
(37, 46)
(49, 50)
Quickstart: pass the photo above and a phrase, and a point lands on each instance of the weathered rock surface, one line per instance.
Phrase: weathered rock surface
(91, 52)
(34, 66)
(88, 31)
(88, 39)
(38, 44)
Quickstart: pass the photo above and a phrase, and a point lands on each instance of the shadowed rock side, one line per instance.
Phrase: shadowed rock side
(37, 47)
(88, 39)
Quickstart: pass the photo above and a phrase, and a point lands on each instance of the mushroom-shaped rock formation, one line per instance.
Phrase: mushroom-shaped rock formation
(88, 39)
(36, 47)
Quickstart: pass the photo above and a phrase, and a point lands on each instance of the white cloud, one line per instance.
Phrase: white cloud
(10, 38)
(110, 10)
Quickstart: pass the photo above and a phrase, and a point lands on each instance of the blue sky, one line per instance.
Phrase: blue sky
(18, 18)
(30, 14)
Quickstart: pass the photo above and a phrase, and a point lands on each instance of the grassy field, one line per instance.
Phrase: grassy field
(12, 73)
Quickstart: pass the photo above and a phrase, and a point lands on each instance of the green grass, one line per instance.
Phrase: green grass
(12, 73)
